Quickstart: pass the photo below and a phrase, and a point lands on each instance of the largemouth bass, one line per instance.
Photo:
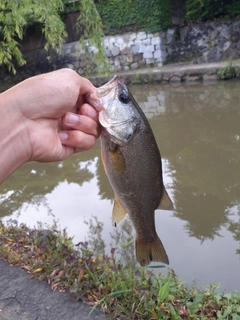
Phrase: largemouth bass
(132, 162)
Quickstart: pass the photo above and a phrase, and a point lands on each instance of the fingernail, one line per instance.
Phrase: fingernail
(71, 118)
(94, 98)
(63, 136)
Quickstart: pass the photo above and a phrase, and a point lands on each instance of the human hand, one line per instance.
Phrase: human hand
(45, 118)
(56, 119)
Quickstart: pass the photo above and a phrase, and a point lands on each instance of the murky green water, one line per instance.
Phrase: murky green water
(197, 127)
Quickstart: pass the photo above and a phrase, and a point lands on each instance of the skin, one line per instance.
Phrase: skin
(45, 118)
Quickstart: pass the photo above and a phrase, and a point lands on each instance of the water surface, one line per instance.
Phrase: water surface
(197, 128)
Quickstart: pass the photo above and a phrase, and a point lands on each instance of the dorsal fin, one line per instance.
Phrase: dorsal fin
(166, 202)
(118, 213)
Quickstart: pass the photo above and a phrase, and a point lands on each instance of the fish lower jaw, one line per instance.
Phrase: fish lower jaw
(94, 100)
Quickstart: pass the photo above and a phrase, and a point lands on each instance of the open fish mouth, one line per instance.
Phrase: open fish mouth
(107, 87)
(96, 98)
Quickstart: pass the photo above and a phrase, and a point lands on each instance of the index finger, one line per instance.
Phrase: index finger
(86, 86)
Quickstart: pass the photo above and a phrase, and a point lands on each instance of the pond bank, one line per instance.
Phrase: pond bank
(121, 292)
(24, 298)
(174, 73)
(170, 73)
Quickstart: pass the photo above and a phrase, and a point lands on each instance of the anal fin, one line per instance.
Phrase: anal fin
(166, 202)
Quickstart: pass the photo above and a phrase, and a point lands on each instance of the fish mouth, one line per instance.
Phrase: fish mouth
(96, 98)
(107, 87)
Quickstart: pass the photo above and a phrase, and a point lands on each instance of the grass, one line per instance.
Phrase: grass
(121, 292)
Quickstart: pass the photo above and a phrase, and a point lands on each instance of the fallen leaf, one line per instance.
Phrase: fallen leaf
(81, 273)
(37, 270)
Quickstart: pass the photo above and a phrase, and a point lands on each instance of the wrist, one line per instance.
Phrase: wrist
(13, 137)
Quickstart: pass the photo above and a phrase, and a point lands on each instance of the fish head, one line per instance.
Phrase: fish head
(117, 113)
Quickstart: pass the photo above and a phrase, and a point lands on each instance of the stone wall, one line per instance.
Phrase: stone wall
(204, 42)
(124, 52)
(199, 43)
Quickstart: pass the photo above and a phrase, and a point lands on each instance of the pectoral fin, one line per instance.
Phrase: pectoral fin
(118, 213)
(166, 202)
(117, 159)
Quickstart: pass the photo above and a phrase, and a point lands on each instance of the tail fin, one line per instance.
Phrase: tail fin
(150, 251)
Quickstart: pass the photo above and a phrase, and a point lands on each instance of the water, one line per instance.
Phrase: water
(197, 127)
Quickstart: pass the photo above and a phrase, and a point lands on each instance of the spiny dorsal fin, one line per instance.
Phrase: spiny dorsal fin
(118, 213)
(166, 202)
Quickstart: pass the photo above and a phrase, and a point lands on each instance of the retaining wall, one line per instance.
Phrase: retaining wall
(199, 43)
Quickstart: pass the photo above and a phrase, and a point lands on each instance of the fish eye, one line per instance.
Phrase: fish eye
(123, 97)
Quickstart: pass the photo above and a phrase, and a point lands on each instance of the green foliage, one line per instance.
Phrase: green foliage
(17, 15)
(233, 9)
(121, 291)
(152, 16)
(155, 15)
(70, 6)
(116, 14)
(227, 72)
(89, 22)
(212, 9)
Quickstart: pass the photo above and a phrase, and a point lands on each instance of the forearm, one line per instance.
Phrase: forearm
(12, 135)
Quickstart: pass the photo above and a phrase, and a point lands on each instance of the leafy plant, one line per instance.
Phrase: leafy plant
(150, 16)
(90, 23)
(227, 72)
(121, 291)
(233, 10)
(16, 16)
(212, 9)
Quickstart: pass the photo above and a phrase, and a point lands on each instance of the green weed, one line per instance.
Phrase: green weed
(227, 72)
(122, 292)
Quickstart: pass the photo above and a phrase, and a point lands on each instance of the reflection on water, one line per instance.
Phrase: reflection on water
(197, 127)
